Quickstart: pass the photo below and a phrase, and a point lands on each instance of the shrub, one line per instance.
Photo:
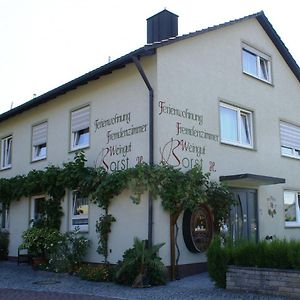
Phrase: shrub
(218, 258)
(95, 272)
(278, 254)
(66, 252)
(244, 254)
(37, 240)
(293, 253)
(141, 262)
(4, 241)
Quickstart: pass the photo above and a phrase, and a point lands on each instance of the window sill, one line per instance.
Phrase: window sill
(6, 168)
(79, 148)
(290, 156)
(237, 145)
(292, 224)
(259, 79)
(38, 159)
(82, 228)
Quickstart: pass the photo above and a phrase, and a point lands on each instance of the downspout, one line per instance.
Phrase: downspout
(151, 156)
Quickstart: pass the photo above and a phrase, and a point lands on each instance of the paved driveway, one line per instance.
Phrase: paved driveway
(21, 282)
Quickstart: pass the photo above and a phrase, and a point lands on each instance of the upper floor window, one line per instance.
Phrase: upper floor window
(39, 141)
(256, 63)
(80, 128)
(291, 208)
(6, 152)
(79, 212)
(290, 140)
(236, 126)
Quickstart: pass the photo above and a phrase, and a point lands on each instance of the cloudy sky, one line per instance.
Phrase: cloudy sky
(45, 43)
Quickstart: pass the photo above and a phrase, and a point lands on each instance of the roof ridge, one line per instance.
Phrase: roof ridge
(207, 29)
(150, 49)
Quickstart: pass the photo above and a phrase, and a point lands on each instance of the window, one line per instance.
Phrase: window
(39, 141)
(79, 212)
(256, 63)
(290, 140)
(6, 152)
(80, 127)
(291, 208)
(38, 209)
(3, 216)
(236, 126)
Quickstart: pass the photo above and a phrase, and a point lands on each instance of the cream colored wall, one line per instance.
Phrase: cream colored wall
(121, 92)
(18, 222)
(197, 74)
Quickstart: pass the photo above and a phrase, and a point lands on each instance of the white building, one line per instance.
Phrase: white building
(226, 97)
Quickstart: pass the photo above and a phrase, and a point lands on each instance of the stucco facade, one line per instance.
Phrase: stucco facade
(191, 79)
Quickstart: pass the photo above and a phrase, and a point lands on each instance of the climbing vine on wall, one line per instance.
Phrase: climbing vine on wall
(178, 190)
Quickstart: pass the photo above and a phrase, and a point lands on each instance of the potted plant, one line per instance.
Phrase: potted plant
(37, 241)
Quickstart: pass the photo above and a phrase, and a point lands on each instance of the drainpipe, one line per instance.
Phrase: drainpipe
(151, 156)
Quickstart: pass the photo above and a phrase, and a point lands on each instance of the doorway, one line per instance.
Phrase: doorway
(243, 215)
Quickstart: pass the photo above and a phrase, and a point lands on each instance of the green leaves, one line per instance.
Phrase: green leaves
(103, 228)
(143, 261)
(177, 190)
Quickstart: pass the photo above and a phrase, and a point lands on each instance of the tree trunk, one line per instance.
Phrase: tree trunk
(173, 220)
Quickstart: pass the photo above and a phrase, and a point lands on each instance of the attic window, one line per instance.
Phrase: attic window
(256, 63)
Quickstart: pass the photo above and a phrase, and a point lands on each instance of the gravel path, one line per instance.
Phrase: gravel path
(22, 282)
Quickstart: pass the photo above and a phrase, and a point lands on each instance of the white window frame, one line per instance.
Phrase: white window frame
(33, 206)
(39, 141)
(289, 139)
(260, 56)
(80, 125)
(78, 217)
(4, 216)
(6, 151)
(240, 112)
(295, 223)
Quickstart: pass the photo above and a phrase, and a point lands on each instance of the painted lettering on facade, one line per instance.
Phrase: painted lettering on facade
(125, 132)
(182, 113)
(117, 118)
(182, 149)
(111, 160)
(116, 157)
(195, 132)
(172, 152)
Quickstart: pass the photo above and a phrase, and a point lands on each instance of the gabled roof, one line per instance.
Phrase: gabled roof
(150, 49)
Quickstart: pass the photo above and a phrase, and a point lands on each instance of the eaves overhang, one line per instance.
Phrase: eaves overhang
(253, 180)
(82, 80)
(283, 50)
(150, 49)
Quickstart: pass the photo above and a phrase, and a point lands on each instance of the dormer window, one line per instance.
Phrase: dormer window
(256, 63)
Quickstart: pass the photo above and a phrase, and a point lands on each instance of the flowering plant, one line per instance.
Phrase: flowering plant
(66, 252)
(38, 240)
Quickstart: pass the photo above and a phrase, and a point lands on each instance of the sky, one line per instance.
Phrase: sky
(46, 43)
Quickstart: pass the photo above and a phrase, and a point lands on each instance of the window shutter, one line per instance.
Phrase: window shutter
(290, 135)
(39, 134)
(80, 119)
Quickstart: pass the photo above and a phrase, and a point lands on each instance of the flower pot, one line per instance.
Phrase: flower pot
(37, 261)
